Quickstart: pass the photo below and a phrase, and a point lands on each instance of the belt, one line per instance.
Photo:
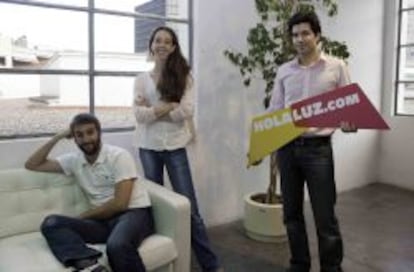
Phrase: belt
(312, 141)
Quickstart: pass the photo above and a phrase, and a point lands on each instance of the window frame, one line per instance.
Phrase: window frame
(91, 71)
(400, 47)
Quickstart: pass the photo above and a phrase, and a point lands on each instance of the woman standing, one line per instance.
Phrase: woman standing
(163, 103)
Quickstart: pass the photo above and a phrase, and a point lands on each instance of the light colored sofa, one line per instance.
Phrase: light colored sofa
(26, 197)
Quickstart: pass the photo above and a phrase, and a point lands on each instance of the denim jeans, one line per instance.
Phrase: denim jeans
(178, 168)
(123, 233)
(310, 161)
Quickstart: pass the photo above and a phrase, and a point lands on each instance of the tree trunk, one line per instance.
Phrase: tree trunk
(271, 196)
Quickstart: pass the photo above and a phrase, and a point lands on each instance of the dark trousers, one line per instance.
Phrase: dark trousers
(178, 168)
(310, 160)
(123, 233)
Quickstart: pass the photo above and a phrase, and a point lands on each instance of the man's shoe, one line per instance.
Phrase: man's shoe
(295, 270)
(93, 268)
(99, 268)
(220, 269)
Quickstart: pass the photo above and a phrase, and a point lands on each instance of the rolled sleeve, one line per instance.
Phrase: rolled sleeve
(344, 77)
(277, 100)
(124, 167)
(66, 162)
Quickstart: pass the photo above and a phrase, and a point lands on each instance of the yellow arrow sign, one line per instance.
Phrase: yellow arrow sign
(271, 131)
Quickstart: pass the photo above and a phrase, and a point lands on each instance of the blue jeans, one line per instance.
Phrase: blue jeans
(310, 160)
(178, 168)
(123, 233)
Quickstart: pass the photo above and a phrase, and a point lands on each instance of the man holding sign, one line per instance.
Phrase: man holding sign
(309, 158)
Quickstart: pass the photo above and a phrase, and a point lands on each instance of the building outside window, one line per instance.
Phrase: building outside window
(62, 57)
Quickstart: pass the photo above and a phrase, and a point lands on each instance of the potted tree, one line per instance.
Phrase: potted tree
(269, 46)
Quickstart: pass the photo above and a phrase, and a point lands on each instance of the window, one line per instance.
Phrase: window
(404, 99)
(59, 58)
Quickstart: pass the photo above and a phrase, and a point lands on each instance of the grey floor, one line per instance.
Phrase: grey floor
(377, 224)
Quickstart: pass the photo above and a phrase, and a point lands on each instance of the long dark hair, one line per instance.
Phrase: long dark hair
(173, 79)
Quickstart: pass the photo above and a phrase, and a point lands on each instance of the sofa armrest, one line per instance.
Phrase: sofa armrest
(172, 218)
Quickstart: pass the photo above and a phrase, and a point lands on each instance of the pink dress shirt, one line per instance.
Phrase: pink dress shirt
(295, 82)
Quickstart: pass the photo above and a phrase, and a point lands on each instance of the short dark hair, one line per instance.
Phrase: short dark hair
(309, 17)
(85, 118)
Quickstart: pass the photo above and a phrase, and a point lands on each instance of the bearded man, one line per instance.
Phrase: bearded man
(120, 212)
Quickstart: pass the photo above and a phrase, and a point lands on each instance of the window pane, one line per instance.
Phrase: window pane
(406, 64)
(182, 31)
(42, 38)
(408, 3)
(121, 43)
(127, 5)
(164, 8)
(407, 27)
(76, 3)
(113, 100)
(408, 55)
(405, 98)
(37, 104)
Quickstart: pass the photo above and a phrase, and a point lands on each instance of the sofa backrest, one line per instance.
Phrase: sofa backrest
(27, 197)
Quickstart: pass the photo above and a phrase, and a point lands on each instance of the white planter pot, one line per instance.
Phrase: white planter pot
(263, 222)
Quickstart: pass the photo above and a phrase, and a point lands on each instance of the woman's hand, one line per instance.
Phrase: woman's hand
(163, 109)
(175, 105)
(142, 101)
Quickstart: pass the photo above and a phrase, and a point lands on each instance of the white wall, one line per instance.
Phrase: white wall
(396, 146)
(225, 107)
(224, 111)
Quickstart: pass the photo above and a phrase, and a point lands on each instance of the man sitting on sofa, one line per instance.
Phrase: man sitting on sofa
(120, 215)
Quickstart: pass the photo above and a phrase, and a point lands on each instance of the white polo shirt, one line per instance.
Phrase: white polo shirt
(98, 180)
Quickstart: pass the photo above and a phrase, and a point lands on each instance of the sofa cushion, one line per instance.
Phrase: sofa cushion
(27, 197)
(27, 252)
(30, 253)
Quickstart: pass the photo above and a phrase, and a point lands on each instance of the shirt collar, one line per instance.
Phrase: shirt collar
(322, 58)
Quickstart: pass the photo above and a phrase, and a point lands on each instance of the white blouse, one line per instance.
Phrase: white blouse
(162, 133)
